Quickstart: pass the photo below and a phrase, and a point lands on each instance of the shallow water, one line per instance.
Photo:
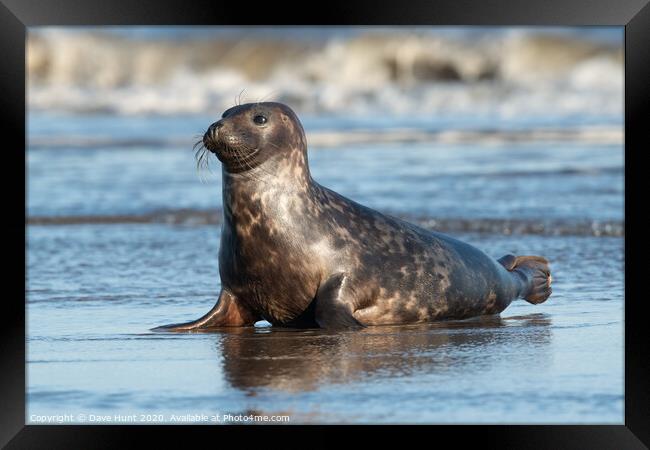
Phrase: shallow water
(560, 180)
(95, 289)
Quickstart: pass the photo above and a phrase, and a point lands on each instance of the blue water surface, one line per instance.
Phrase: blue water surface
(95, 290)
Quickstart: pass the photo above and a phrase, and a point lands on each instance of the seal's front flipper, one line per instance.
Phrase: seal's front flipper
(535, 273)
(228, 312)
(334, 302)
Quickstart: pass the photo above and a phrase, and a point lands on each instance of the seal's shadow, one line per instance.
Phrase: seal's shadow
(304, 360)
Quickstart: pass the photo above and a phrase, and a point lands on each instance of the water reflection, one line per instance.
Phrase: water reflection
(305, 360)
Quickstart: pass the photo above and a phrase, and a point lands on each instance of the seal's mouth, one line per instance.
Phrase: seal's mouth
(223, 147)
(231, 150)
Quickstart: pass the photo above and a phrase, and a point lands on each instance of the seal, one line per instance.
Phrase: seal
(297, 254)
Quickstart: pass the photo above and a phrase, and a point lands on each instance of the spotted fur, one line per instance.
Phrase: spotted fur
(298, 254)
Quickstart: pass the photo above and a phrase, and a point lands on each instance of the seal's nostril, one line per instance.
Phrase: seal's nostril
(212, 131)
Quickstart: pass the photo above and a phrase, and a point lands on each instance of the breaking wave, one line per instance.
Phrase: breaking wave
(396, 71)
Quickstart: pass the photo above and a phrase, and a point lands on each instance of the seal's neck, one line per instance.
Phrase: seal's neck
(260, 190)
(282, 177)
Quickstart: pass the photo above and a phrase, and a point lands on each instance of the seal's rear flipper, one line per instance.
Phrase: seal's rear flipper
(535, 273)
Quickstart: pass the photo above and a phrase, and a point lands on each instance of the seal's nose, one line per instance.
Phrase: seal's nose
(214, 129)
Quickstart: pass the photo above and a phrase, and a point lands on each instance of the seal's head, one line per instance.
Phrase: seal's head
(253, 134)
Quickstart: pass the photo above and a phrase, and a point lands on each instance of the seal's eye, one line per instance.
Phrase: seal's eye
(259, 119)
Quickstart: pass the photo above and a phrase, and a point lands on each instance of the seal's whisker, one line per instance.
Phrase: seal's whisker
(243, 160)
(199, 154)
(275, 145)
(266, 97)
(247, 158)
(199, 166)
(202, 156)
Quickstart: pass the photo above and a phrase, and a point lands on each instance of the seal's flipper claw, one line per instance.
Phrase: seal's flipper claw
(228, 312)
(175, 328)
(536, 274)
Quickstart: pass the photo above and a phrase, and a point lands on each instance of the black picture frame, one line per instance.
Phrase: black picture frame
(17, 15)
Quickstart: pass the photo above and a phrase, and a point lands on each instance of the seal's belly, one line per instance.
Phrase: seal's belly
(430, 285)
(413, 308)
(424, 298)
